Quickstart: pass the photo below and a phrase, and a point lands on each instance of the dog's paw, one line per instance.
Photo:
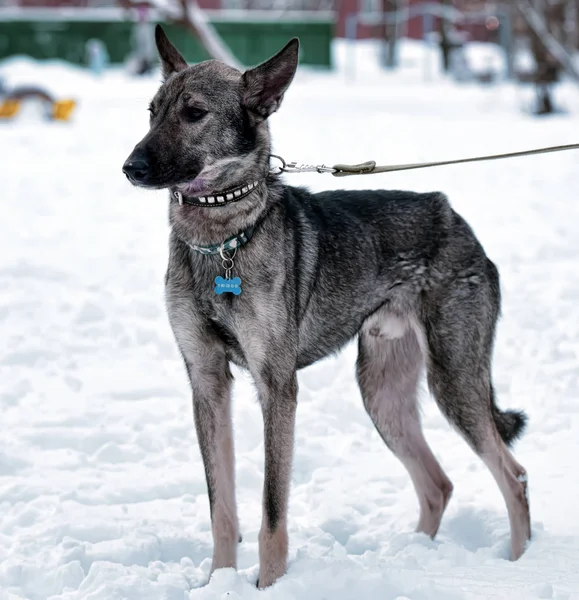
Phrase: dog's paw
(263, 581)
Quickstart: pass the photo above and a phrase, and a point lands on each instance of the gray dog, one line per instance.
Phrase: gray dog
(273, 278)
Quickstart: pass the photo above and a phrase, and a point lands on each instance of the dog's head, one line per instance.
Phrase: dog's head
(208, 125)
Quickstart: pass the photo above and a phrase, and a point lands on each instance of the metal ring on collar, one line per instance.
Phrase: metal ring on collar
(224, 256)
(281, 168)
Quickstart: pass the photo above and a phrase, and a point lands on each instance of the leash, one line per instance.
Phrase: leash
(370, 167)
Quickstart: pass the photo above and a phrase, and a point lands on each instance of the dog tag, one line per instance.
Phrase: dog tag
(224, 286)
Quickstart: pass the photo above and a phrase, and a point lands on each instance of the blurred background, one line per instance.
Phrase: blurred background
(528, 41)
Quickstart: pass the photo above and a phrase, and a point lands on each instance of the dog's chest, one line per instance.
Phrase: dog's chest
(243, 322)
(228, 319)
(229, 315)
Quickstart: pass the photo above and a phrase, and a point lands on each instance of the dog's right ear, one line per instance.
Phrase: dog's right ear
(171, 59)
(265, 85)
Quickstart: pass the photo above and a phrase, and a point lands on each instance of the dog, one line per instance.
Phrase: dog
(273, 278)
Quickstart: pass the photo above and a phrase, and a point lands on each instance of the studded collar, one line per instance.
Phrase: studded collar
(220, 199)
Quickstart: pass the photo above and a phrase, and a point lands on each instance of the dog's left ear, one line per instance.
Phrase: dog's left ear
(265, 85)
(171, 59)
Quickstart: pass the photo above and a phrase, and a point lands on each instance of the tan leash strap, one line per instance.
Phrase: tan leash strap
(370, 168)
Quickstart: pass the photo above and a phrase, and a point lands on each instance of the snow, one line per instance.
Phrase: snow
(102, 490)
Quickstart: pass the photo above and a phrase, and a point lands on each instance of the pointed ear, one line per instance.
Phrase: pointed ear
(171, 59)
(265, 85)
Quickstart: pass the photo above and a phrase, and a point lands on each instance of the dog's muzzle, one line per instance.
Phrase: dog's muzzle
(137, 167)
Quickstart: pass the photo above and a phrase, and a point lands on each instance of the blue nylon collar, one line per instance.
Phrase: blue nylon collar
(232, 243)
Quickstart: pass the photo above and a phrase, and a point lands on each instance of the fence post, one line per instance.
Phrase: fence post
(351, 35)
(506, 40)
(427, 29)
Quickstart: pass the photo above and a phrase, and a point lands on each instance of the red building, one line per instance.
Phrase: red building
(206, 4)
(413, 28)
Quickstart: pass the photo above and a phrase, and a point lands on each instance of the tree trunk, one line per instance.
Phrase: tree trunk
(445, 45)
(195, 20)
(192, 18)
(573, 16)
(538, 22)
(389, 34)
(549, 38)
(544, 102)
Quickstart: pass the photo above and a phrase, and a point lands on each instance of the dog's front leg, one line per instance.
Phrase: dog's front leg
(210, 377)
(211, 388)
(278, 397)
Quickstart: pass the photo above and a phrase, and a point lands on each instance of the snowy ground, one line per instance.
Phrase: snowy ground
(102, 491)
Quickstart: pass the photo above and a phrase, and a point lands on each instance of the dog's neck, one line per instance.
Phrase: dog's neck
(202, 225)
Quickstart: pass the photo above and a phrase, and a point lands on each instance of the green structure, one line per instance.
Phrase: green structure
(62, 34)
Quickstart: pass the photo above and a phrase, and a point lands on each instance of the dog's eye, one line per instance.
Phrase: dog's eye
(193, 114)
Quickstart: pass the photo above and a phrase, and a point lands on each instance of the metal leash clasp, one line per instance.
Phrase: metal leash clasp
(295, 167)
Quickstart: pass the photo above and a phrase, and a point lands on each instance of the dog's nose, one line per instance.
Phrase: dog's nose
(136, 168)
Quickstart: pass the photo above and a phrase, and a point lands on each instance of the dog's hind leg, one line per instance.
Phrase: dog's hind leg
(459, 325)
(389, 365)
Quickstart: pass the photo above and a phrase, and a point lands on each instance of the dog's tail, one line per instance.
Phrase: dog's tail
(510, 423)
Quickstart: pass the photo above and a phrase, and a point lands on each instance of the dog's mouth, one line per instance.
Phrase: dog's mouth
(149, 184)
(190, 184)
(143, 170)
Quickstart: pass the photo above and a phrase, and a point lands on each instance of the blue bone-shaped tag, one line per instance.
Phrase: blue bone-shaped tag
(223, 286)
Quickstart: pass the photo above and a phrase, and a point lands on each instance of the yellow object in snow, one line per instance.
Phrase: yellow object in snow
(59, 110)
(9, 108)
(62, 109)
